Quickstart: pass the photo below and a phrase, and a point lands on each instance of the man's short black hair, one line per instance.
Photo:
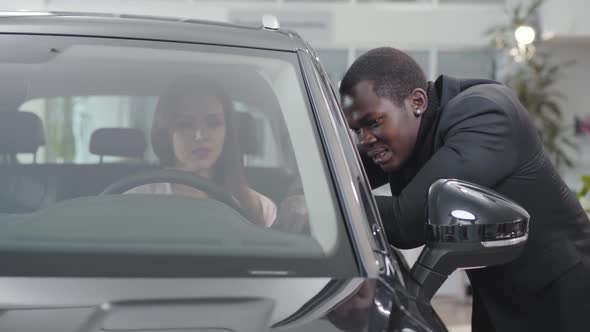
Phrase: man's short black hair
(394, 74)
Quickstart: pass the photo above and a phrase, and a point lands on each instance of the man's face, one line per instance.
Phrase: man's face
(386, 131)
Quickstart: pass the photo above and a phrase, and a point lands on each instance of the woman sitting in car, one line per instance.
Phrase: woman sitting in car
(193, 132)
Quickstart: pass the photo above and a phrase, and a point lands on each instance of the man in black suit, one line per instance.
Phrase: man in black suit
(412, 132)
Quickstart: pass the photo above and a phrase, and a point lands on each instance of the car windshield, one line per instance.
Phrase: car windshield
(114, 149)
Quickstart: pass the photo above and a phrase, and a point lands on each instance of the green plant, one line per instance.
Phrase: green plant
(585, 186)
(533, 85)
(583, 194)
(533, 75)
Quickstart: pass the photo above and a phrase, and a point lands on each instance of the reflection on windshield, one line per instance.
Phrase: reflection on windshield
(352, 314)
(238, 119)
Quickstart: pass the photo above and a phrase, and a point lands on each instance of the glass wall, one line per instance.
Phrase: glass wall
(335, 62)
(475, 63)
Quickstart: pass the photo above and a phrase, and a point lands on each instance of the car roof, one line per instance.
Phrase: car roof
(148, 28)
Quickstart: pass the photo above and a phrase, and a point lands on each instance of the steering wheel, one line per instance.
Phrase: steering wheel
(213, 190)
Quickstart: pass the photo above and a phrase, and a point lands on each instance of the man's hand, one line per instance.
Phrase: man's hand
(293, 216)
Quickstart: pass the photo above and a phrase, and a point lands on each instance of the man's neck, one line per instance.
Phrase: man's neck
(427, 121)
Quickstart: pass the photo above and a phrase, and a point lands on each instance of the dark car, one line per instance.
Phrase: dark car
(165, 175)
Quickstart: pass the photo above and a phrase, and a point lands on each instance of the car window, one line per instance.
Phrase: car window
(141, 147)
(69, 123)
(81, 116)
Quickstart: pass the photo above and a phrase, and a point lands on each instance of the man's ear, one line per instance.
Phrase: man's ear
(419, 98)
(419, 101)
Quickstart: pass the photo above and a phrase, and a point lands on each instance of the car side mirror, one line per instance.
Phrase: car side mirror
(468, 226)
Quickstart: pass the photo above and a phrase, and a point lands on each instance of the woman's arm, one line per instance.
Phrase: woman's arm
(267, 206)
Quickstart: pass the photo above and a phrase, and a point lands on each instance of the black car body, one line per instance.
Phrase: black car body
(75, 260)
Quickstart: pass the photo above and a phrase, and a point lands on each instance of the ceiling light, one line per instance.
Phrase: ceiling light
(525, 35)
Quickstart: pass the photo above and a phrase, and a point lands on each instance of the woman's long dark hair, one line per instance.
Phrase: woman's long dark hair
(227, 170)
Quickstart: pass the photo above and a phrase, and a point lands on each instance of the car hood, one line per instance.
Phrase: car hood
(206, 304)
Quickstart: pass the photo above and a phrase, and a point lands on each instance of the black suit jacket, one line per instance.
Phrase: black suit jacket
(482, 134)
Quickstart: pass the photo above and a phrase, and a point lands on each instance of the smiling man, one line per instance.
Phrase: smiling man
(412, 132)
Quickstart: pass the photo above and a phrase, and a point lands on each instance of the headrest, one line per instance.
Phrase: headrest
(247, 133)
(120, 142)
(20, 132)
(13, 88)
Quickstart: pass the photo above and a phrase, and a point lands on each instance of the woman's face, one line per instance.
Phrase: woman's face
(198, 133)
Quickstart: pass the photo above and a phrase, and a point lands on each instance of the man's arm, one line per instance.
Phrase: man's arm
(479, 147)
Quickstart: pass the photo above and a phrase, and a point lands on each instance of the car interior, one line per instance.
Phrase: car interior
(27, 187)
(29, 183)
